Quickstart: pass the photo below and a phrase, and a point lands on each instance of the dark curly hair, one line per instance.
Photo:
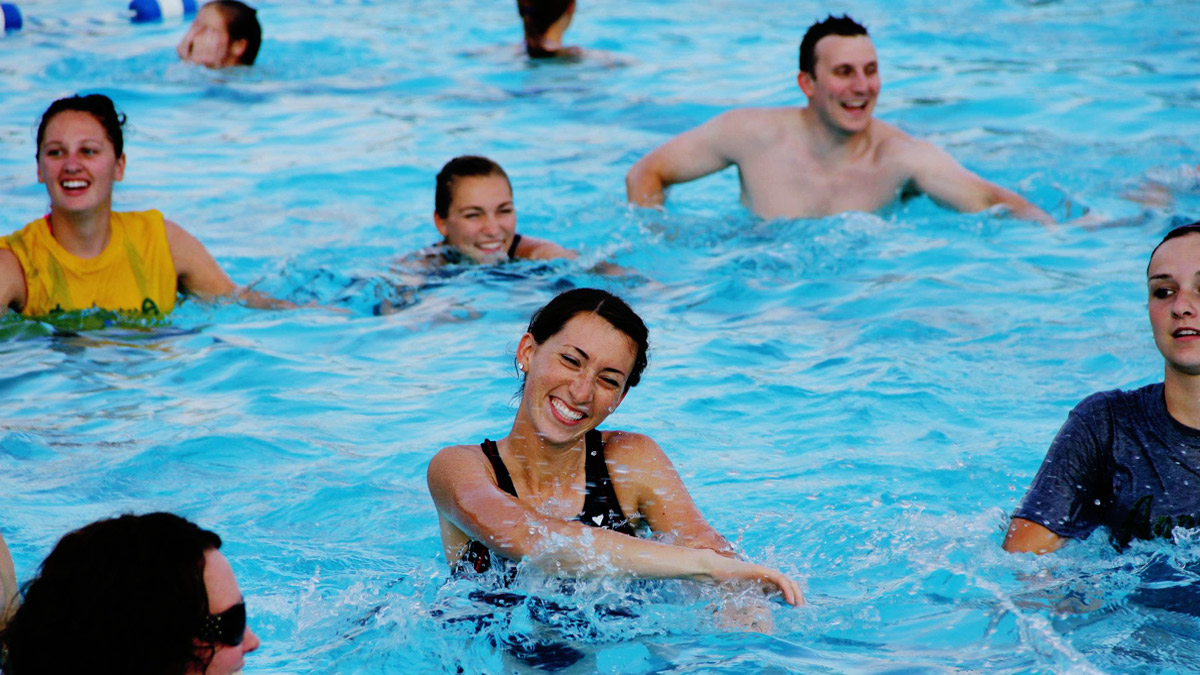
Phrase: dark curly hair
(548, 320)
(127, 580)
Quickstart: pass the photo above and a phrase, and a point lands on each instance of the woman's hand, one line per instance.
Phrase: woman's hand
(727, 569)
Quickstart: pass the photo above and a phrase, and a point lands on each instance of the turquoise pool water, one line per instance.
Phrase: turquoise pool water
(859, 400)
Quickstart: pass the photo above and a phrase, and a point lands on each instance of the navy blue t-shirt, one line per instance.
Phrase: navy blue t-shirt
(1120, 461)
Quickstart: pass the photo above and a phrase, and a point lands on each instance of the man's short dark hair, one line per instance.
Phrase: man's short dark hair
(466, 165)
(241, 20)
(832, 25)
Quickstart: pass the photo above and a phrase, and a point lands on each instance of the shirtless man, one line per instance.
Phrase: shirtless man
(827, 157)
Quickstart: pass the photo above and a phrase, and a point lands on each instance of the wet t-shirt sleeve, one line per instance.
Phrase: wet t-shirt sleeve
(1073, 488)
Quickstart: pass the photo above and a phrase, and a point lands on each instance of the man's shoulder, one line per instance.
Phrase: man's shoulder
(892, 141)
(754, 122)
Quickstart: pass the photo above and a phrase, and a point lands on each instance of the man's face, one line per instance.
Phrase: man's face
(845, 82)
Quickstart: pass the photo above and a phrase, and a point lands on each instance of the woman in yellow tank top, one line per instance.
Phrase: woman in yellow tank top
(82, 254)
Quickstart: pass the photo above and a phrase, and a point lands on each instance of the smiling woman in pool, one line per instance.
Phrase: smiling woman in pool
(1127, 460)
(83, 254)
(565, 496)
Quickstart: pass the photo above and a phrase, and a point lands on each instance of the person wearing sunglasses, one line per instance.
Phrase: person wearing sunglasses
(157, 579)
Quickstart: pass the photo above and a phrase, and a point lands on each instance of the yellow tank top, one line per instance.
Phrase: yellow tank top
(134, 272)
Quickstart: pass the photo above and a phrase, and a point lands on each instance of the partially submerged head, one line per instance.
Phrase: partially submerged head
(155, 584)
(473, 208)
(581, 354)
(80, 152)
(224, 33)
(839, 73)
(545, 22)
(1173, 284)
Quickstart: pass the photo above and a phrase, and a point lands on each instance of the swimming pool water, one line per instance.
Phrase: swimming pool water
(859, 400)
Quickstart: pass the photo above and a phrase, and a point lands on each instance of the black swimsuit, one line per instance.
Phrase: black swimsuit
(600, 505)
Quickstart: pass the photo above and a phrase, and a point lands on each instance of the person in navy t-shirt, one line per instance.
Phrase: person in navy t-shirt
(1130, 460)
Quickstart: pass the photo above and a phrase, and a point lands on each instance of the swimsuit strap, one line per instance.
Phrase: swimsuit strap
(503, 478)
(601, 508)
(512, 248)
(476, 556)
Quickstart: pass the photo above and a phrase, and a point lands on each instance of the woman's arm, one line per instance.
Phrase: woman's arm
(8, 585)
(640, 467)
(200, 275)
(1026, 536)
(12, 282)
(469, 501)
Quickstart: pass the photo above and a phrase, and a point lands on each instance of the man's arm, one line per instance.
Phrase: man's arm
(938, 175)
(690, 155)
(12, 282)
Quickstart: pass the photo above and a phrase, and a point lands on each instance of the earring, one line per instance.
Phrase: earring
(520, 366)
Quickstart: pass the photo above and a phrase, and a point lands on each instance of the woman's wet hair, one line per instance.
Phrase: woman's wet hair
(548, 320)
(539, 15)
(241, 21)
(1182, 230)
(97, 105)
(459, 167)
(124, 595)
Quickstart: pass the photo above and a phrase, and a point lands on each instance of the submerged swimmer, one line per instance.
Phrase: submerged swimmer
(545, 22)
(224, 33)
(145, 595)
(1129, 461)
(83, 254)
(826, 158)
(566, 497)
(474, 213)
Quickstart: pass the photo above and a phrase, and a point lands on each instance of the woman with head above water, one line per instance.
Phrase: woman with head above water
(474, 213)
(134, 595)
(564, 496)
(224, 33)
(1130, 460)
(82, 254)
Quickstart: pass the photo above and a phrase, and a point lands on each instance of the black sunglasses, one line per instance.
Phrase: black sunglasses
(227, 628)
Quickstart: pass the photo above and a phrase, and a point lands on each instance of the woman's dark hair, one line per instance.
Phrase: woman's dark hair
(97, 105)
(136, 581)
(1193, 228)
(241, 21)
(548, 320)
(539, 15)
(466, 165)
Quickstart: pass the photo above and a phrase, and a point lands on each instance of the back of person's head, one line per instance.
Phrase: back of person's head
(539, 15)
(242, 22)
(548, 320)
(832, 25)
(460, 167)
(97, 105)
(123, 596)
